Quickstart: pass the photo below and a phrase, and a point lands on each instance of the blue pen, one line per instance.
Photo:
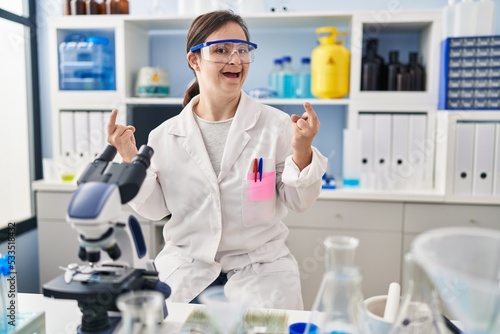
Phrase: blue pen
(260, 169)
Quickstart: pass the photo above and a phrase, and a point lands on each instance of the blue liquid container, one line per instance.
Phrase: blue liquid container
(286, 82)
(86, 64)
(303, 82)
(274, 75)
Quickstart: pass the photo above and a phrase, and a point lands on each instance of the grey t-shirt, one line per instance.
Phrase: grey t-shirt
(214, 134)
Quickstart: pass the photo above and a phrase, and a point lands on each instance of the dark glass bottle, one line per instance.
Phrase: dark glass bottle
(403, 80)
(393, 69)
(416, 73)
(111, 7)
(67, 7)
(94, 7)
(78, 7)
(122, 6)
(372, 67)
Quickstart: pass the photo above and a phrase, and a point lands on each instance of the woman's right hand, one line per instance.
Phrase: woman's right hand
(122, 138)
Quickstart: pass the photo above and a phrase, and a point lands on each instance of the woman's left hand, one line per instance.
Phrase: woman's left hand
(305, 127)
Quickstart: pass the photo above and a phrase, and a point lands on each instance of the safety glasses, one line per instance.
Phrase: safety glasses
(221, 51)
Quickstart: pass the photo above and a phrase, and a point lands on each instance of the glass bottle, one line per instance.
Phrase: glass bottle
(419, 311)
(416, 73)
(90, 7)
(123, 7)
(286, 82)
(339, 307)
(372, 68)
(403, 81)
(303, 82)
(111, 7)
(78, 7)
(67, 7)
(393, 69)
(274, 75)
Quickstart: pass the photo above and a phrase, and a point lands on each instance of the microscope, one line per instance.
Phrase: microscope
(95, 212)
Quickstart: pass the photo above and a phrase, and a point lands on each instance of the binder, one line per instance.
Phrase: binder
(496, 172)
(382, 150)
(484, 150)
(105, 120)
(417, 149)
(66, 130)
(464, 155)
(366, 126)
(400, 168)
(82, 134)
(97, 133)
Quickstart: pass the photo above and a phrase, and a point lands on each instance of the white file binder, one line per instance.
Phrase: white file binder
(401, 170)
(67, 133)
(82, 133)
(366, 126)
(464, 155)
(417, 149)
(105, 121)
(382, 151)
(484, 154)
(97, 133)
(496, 171)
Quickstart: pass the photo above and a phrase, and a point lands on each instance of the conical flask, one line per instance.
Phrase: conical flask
(420, 310)
(338, 308)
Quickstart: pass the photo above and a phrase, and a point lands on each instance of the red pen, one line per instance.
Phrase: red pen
(255, 169)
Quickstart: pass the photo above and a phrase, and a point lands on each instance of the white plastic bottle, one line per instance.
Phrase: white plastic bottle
(286, 82)
(449, 19)
(465, 18)
(303, 79)
(486, 18)
(274, 75)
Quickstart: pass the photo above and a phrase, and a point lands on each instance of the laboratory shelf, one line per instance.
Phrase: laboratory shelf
(178, 101)
(427, 196)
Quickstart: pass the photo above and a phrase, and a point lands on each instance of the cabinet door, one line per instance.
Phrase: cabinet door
(377, 225)
(378, 256)
(58, 246)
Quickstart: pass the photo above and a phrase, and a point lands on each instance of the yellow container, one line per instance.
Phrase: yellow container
(329, 65)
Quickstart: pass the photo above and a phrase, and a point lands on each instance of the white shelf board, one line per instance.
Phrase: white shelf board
(383, 195)
(178, 101)
(264, 20)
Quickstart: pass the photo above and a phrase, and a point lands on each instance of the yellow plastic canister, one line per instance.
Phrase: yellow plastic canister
(329, 65)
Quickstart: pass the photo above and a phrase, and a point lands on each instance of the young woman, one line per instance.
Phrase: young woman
(227, 169)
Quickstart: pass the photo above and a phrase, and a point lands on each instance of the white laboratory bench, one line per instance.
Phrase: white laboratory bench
(63, 316)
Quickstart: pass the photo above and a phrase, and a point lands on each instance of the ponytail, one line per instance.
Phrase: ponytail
(191, 92)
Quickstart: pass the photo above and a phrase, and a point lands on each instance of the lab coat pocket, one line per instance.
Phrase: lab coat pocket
(258, 198)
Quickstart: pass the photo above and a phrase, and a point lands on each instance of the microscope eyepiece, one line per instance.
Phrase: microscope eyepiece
(108, 154)
(144, 156)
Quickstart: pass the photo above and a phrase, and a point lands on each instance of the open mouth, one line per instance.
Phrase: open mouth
(231, 75)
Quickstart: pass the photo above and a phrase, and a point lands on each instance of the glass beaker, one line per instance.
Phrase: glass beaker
(142, 311)
(338, 307)
(419, 311)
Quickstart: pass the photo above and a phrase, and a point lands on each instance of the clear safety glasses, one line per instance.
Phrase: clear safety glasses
(221, 51)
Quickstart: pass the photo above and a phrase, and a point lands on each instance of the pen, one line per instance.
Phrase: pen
(260, 168)
(255, 170)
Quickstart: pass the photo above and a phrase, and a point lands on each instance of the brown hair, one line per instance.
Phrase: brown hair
(202, 27)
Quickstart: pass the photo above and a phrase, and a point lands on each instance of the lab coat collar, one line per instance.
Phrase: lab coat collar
(245, 118)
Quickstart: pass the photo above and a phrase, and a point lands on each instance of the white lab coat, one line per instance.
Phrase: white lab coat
(213, 225)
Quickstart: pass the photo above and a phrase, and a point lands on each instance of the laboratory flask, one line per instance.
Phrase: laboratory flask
(339, 308)
(420, 310)
(329, 65)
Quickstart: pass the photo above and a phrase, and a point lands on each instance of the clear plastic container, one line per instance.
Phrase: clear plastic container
(303, 88)
(86, 64)
(286, 81)
(464, 264)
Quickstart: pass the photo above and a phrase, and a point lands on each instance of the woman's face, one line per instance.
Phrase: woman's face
(217, 79)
